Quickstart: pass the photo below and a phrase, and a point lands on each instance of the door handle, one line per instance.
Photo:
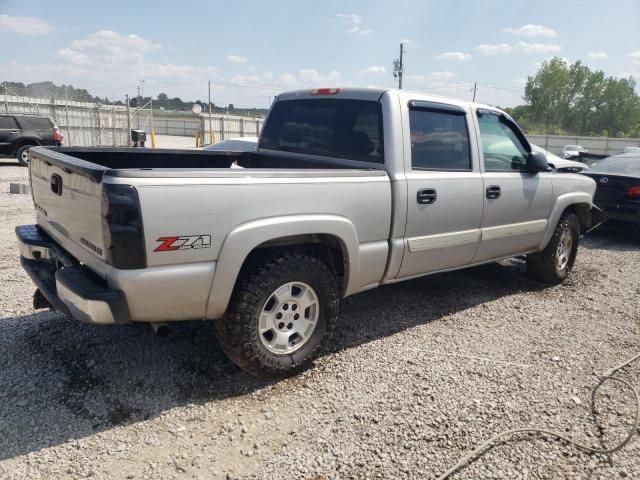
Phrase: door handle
(426, 196)
(494, 191)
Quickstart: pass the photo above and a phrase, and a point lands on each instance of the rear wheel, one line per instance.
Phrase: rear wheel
(554, 263)
(281, 315)
(22, 154)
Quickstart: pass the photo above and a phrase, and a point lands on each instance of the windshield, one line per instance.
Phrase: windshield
(623, 166)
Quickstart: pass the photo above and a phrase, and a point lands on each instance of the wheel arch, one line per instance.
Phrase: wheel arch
(24, 141)
(579, 203)
(331, 238)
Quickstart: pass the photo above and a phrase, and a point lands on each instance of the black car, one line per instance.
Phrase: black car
(618, 189)
(18, 133)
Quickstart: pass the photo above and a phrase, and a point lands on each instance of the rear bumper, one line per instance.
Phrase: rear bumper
(68, 286)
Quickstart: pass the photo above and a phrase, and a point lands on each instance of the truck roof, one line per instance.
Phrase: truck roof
(362, 93)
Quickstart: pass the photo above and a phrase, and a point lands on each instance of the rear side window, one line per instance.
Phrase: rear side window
(348, 129)
(36, 123)
(439, 140)
(8, 123)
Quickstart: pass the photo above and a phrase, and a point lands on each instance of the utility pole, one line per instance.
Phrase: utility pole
(398, 67)
(128, 122)
(210, 121)
(475, 88)
(6, 101)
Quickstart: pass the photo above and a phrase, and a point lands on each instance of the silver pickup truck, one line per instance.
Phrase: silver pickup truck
(348, 189)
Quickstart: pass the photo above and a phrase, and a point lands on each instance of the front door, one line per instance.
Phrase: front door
(444, 189)
(517, 203)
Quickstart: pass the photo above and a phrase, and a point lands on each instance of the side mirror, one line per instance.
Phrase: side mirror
(537, 162)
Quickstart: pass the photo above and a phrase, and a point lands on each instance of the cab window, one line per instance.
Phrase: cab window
(501, 147)
(439, 140)
(338, 128)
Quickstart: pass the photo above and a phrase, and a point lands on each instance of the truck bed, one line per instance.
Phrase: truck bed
(95, 162)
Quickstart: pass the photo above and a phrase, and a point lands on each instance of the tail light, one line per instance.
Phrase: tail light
(633, 192)
(122, 227)
(325, 91)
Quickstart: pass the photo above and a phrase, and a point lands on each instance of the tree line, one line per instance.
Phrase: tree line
(572, 99)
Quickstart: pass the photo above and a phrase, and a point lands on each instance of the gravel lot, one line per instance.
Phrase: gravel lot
(420, 372)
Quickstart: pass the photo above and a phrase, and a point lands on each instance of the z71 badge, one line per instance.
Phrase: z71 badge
(183, 242)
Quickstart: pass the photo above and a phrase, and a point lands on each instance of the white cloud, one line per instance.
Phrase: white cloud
(245, 79)
(432, 79)
(354, 22)
(351, 18)
(407, 42)
(635, 56)
(108, 47)
(531, 31)
(494, 49)
(454, 56)
(287, 79)
(520, 47)
(597, 55)
(25, 25)
(525, 47)
(373, 69)
(311, 76)
(519, 82)
(236, 58)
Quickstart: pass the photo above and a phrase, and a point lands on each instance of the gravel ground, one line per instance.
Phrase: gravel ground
(419, 373)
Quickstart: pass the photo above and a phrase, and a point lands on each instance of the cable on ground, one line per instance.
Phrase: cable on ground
(605, 377)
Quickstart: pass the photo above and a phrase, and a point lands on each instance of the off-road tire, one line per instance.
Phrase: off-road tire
(19, 154)
(543, 266)
(238, 333)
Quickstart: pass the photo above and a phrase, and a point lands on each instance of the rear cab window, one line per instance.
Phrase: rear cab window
(439, 137)
(336, 128)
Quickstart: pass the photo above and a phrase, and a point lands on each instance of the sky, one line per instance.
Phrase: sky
(252, 50)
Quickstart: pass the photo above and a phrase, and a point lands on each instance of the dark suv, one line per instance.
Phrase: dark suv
(20, 132)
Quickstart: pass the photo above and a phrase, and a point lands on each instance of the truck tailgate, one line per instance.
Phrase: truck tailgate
(68, 203)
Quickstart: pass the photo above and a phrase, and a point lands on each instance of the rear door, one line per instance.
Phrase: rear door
(517, 203)
(444, 188)
(9, 133)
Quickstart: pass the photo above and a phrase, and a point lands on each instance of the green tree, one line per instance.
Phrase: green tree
(574, 99)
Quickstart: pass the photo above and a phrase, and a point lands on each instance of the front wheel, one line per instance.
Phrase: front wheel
(22, 154)
(554, 263)
(281, 315)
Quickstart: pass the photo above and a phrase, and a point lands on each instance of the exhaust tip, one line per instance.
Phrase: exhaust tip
(161, 329)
